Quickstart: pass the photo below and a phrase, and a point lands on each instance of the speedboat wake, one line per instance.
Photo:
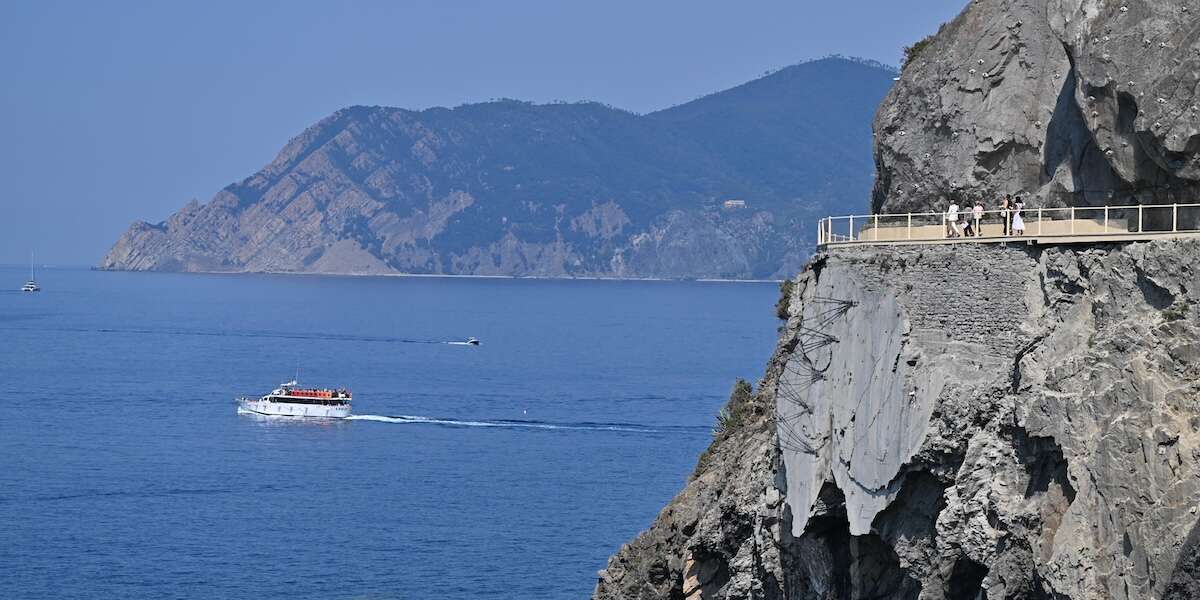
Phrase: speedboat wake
(523, 424)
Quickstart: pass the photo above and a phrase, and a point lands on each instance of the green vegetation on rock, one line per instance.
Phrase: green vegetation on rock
(785, 298)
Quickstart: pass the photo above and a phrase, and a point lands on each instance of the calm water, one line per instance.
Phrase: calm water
(126, 472)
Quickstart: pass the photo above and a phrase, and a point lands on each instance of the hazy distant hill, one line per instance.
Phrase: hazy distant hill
(546, 190)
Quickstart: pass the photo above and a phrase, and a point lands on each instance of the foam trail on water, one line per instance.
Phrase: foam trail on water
(517, 424)
(282, 335)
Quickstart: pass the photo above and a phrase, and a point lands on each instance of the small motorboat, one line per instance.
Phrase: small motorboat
(471, 341)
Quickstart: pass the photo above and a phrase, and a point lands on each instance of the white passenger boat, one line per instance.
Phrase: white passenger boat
(290, 400)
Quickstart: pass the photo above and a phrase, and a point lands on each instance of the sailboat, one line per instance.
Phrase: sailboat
(31, 285)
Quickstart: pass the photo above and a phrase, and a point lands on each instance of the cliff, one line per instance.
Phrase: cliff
(558, 190)
(1074, 102)
(995, 422)
(955, 422)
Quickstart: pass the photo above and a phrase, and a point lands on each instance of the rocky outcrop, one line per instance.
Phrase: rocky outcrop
(557, 190)
(995, 422)
(721, 534)
(956, 422)
(1073, 102)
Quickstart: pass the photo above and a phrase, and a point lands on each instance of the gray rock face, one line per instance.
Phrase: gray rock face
(957, 422)
(1075, 102)
(981, 422)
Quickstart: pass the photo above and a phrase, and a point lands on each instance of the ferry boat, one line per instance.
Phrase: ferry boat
(290, 400)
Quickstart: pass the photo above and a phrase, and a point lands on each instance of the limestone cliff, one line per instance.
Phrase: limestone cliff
(1076, 102)
(979, 421)
(955, 422)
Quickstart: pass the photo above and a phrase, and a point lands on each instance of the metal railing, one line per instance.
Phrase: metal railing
(1083, 222)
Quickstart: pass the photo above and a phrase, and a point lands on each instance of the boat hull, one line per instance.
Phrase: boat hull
(288, 409)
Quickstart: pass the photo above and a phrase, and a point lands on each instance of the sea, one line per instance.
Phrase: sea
(512, 469)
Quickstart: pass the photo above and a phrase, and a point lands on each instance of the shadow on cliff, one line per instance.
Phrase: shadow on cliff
(1184, 583)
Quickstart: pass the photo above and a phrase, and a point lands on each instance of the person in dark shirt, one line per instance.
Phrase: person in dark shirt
(1005, 219)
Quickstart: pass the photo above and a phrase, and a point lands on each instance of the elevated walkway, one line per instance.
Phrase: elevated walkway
(1043, 226)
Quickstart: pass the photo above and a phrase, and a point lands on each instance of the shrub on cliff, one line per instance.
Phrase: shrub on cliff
(733, 415)
(911, 52)
(736, 414)
(785, 298)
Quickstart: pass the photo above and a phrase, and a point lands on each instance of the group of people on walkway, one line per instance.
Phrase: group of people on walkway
(968, 222)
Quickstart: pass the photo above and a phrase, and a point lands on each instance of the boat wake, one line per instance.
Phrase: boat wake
(523, 424)
(281, 335)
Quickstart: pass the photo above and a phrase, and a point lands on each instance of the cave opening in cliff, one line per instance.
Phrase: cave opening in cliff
(966, 580)
(853, 566)
(1045, 465)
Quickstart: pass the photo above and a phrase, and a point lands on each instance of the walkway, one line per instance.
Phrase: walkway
(1077, 225)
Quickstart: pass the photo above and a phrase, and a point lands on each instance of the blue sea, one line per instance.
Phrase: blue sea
(508, 470)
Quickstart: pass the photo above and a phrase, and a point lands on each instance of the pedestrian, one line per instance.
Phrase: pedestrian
(1005, 205)
(952, 220)
(978, 217)
(1018, 223)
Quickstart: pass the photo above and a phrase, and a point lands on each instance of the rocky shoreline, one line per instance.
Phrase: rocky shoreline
(1026, 432)
(964, 422)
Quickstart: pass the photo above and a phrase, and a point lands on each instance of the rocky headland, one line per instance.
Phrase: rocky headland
(726, 186)
(955, 422)
(973, 422)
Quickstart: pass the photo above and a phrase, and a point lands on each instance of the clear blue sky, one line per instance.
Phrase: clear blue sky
(116, 111)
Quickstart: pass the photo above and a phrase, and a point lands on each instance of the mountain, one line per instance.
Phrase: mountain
(557, 190)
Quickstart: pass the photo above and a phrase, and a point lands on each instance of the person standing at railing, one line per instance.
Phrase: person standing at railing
(1005, 205)
(978, 214)
(1018, 223)
(951, 218)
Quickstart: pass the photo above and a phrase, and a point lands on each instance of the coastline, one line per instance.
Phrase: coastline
(448, 276)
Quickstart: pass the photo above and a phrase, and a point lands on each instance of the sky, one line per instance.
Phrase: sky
(114, 111)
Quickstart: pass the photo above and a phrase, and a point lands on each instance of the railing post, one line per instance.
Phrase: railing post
(1105, 219)
(876, 227)
(909, 226)
(1072, 220)
(1039, 220)
(852, 228)
(1174, 218)
(1139, 218)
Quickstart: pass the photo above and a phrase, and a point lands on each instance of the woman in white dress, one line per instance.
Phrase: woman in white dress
(1018, 223)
